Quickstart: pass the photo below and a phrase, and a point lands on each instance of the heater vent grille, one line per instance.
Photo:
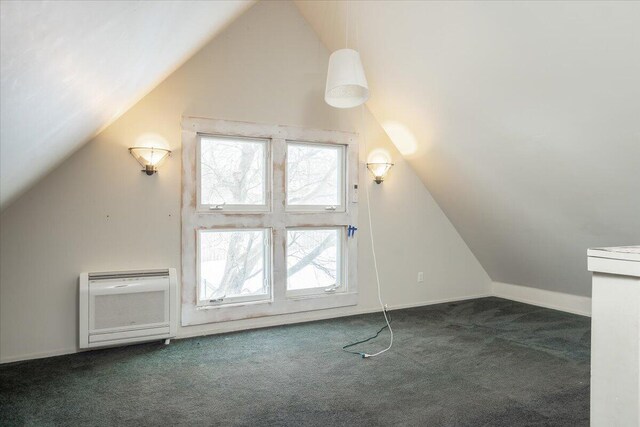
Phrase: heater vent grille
(129, 310)
(127, 307)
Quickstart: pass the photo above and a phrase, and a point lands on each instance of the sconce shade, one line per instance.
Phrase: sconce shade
(346, 83)
(149, 157)
(379, 170)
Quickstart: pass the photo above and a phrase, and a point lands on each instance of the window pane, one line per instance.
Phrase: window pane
(232, 264)
(232, 171)
(314, 175)
(312, 258)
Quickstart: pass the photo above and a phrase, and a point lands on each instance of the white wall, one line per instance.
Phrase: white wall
(98, 212)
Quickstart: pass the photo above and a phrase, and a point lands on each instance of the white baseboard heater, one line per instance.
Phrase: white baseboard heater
(126, 307)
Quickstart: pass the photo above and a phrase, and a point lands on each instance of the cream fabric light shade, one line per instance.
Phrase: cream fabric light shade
(346, 83)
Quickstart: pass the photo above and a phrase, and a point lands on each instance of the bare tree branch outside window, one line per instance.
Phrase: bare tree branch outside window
(232, 171)
(312, 175)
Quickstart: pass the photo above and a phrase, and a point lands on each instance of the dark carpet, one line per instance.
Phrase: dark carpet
(484, 362)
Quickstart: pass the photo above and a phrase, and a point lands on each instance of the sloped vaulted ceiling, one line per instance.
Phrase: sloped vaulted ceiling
(69, 68)
(526, 118)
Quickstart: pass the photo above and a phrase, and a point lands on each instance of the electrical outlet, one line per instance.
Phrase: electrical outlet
(420, 277)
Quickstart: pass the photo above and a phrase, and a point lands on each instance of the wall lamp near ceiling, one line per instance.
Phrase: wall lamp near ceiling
(149, 157)
(379, 170)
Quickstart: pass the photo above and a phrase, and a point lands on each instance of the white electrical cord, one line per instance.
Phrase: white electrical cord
(373, 250)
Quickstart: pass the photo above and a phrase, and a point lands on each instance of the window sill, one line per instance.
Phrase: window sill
(233, 304)
(230, 211)
(197, 315)
(315, 210)
(323, 294)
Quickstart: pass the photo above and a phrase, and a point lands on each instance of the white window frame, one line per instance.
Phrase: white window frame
(340, 207)
(277, 218)
(268, 267)
(341, 266)
(268, 172)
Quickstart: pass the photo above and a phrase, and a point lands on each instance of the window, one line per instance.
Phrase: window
(315, 177)
(233, 174)
(233, 266)
(265, 213)
(314, 260)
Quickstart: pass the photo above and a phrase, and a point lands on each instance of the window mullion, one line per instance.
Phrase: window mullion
(279, 263)
(278, 194)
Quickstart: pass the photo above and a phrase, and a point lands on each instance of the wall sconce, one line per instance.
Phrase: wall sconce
(379, 170)
(149, 157)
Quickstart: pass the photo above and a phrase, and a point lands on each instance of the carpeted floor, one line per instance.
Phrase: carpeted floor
(485, 362)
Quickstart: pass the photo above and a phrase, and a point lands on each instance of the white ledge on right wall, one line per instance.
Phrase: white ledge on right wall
(575, 304)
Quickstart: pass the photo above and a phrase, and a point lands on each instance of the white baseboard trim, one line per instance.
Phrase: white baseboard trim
(575, 304)
(38, 355)
(555, 300)
(271, 321)
(258, 323)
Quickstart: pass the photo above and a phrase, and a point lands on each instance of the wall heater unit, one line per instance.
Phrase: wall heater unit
(127, 307)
